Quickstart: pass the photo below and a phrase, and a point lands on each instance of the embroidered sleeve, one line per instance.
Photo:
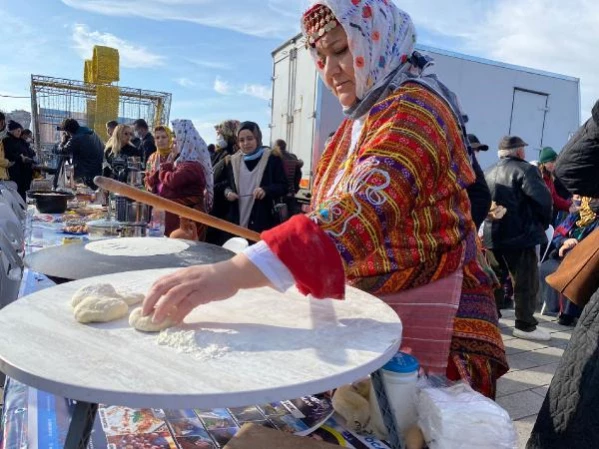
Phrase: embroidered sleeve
(395, 219)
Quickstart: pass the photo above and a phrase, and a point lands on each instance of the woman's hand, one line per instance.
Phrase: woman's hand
(179, 293)
(231, 196)
(259, 193)
(567, 246)
(574, 208)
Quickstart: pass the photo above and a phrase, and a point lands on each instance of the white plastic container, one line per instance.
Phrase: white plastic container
(400, 376)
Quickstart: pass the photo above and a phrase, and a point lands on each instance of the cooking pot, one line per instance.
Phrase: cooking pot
(51, 202)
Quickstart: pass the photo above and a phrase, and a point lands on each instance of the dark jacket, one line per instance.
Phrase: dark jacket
(274, 183)
(519, 187)
(147, 146)
(293, 172)
(117, 165)
(577, 164)
(87, 152)
(568, 416)
(221, 205)
(14, 149)
(479, 195)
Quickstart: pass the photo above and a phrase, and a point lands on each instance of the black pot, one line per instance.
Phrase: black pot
(51, 202)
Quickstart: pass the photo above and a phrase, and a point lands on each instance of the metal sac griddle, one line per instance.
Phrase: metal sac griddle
(72, 262)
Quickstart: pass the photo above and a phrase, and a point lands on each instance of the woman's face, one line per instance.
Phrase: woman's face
(161, 139)
(17, 133)
(247, 141)
(550, 166)
(336, 63)
(126, 138)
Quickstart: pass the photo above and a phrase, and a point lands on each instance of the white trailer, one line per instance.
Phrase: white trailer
(500, 99)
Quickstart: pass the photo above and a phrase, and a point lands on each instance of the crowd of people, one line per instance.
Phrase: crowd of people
(17, 156)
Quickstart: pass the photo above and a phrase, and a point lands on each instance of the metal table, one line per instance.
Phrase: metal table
(73, 261)
(260, 346)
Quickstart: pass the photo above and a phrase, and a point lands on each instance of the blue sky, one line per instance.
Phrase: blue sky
(214, 56)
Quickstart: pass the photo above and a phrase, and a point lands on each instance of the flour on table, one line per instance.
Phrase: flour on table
(203, 344)
(137, 247)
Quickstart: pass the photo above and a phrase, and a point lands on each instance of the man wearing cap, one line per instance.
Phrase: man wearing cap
(518, 186)
(86, 150)
(478, 193)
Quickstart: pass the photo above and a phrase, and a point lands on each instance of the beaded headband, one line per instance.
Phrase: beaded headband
(318, 21)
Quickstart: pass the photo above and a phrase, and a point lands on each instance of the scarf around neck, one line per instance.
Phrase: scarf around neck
(255, 155)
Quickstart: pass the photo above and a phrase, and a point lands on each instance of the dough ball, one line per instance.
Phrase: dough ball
(93, 290)
(132, 298)
(100, 309)
(144, 323)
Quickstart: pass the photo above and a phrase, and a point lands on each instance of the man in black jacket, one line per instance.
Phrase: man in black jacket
(519, 187)
(86, 150)
(478, 193)
(147, 146)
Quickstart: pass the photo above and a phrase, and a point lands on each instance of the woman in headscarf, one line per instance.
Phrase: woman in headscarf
(391, 214)
(118, 149)
(226, 146)
(255, 181)
(186, 175)
(163, 137)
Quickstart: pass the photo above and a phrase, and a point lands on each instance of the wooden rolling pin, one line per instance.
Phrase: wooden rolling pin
(174, 208)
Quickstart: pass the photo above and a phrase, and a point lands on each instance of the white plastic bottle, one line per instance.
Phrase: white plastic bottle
(400, 376)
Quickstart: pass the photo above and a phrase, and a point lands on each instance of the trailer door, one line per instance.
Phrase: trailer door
(529, 110)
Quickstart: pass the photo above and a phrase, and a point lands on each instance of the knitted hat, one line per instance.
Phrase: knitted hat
(12, 125)
(547, 155)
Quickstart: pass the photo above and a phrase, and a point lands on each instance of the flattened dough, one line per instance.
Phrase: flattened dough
(100, 309)
(93, 290)
(144, 323)
(132, 298)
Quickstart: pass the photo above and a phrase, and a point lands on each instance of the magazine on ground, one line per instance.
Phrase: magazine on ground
(38, 420)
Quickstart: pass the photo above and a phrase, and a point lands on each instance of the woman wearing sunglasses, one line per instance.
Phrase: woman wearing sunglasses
(118, 149)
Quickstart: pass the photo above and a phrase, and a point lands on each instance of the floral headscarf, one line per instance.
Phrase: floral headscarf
(381, 38)
(192, 148)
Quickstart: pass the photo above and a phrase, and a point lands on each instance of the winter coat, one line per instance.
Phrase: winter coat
(184, 183)
(274, 183)
(293, 172)
(479, 195)
(221, 205)
(519, 187)
(568, 417)
(559, 203)
(578, 161)
(4, 164)
(87, 152)
(117, 164)
(14, 149)
(147, 146)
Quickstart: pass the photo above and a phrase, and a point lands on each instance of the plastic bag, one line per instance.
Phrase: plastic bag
(457, 417)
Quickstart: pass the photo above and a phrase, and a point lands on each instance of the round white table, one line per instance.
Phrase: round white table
(259, 346)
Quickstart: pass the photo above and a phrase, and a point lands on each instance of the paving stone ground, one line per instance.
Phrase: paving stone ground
(532, 365)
